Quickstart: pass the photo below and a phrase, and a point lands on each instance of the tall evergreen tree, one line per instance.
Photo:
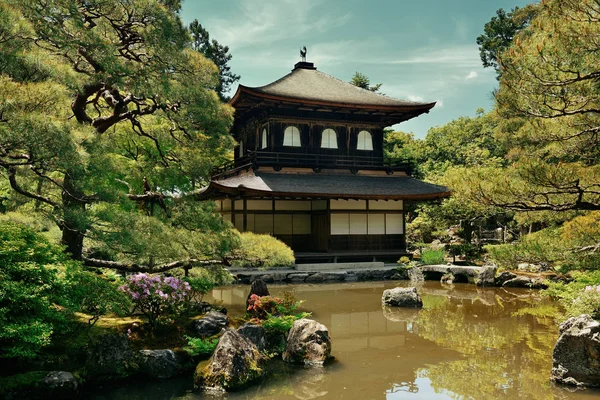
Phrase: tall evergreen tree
(499, 32)
(218, 54)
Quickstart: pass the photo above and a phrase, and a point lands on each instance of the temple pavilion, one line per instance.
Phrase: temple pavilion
(309, 168)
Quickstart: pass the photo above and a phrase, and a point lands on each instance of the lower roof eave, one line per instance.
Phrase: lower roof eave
(215, 191)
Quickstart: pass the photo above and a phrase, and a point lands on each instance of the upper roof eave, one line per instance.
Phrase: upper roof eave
(423, 108)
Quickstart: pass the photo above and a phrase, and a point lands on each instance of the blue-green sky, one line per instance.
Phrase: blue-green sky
(422, 50)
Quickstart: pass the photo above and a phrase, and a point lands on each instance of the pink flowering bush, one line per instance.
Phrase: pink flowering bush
(157, 297)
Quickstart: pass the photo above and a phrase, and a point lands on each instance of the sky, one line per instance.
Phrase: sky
(421, 50)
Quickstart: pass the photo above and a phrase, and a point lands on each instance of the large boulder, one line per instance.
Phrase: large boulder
(308, 343)
(402, 297)
(211, 324)
(111, 357)
(254, 333)
(486, 276)
(235, 363)
(160, 363)
(576, 355)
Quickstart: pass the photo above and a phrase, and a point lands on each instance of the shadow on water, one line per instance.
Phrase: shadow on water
(466, 342)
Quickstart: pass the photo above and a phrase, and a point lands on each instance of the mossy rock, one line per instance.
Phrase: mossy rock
(235, 363)
(39, 385)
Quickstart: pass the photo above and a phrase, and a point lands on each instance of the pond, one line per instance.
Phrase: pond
(466, 342)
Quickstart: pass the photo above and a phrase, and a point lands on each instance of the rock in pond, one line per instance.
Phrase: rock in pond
(402, 297)
(504, 276)
(60, 385)
(415, 274)
(308, 343)
(528, 282)
(254, 333)
(576, 355)
(447, 278)
(486, 276)
(210, 324)
(235, 363)
(159, 363)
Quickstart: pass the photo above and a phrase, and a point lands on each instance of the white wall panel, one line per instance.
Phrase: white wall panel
(393, 224)
(340, 224)
(283, 224)
(263, 223)
(348, 204)
(376, 224)
(385, 205)
(292, 205)
(358, 224)
(259, 205)
(301, 224)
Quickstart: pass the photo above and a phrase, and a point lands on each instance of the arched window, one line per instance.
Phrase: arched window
(263, 139)
(329, 139)
(291, 137)
(365, 141)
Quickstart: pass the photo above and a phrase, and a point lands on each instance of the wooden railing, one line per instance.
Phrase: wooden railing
(259, 159)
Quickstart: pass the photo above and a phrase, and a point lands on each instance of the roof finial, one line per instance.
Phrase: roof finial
(303, 53)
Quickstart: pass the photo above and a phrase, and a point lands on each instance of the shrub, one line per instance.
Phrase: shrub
(40, 289)
(203, 280)
(262, 251)
(582, 296)
(200, 347)
(157, 296)
(281, 324)
(264, 306)
(403, 260)
(432, 257)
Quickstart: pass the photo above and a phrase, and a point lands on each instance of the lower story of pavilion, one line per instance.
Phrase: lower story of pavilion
(323, 216)
(324, 230)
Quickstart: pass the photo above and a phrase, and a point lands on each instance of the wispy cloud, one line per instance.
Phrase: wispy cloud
(263, 22)
(471, 75)
(464, 56)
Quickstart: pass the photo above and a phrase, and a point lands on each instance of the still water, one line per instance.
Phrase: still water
(467, 343)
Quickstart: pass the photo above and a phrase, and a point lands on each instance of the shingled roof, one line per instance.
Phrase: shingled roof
(305, 83)
(324, 185)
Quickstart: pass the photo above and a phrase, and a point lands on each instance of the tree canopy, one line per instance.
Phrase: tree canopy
(550, 84)
(363, 81)
(108, 122)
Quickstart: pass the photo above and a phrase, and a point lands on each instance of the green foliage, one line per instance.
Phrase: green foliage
(572, 246)
(362, 81)
(200, 347)
(467, 250)
(432, 256)
(262, 251)
(281, 324)
(581, 296)
(40, 289)
(404, 260)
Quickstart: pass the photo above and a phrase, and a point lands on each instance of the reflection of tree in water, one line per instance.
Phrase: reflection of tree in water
(410, 387)
(509, 354)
